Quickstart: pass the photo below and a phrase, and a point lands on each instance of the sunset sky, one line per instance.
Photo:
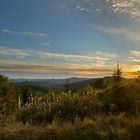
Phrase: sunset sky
(65, 38)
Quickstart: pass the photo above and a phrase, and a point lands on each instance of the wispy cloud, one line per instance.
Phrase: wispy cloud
(49, 69)
(96, 58)
(46, 44)
(68, 69)
(84, 9)
(24, 33)
(13, 52)
(88, 58)
(134, 58)
(80, 64)
(129, 7)
(120, 32)
(135, 53)
(70, 63)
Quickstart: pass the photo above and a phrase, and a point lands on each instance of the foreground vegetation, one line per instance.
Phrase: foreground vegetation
(110, 127)
(101, 111)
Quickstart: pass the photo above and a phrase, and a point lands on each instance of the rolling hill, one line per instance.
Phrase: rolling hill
(44, 85)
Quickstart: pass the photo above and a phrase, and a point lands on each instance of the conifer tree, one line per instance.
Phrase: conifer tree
(138, 75)
(66, 86)
(117, 73)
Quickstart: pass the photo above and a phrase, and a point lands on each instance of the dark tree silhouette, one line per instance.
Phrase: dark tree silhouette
(66, 86)
(98, 83)
(25, 94)
(117, 73)
(138, 75)
(8, 97)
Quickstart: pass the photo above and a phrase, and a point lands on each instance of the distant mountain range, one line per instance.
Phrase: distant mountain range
(49, 81)
(45, 84)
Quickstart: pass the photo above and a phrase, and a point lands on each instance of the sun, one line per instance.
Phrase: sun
(138, 69)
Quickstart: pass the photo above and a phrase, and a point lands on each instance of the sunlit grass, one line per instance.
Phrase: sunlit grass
(101, 127)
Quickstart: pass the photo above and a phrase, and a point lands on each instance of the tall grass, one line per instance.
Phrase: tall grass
(110, 127)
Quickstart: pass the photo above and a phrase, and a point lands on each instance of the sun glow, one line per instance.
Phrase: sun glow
(138, 69)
